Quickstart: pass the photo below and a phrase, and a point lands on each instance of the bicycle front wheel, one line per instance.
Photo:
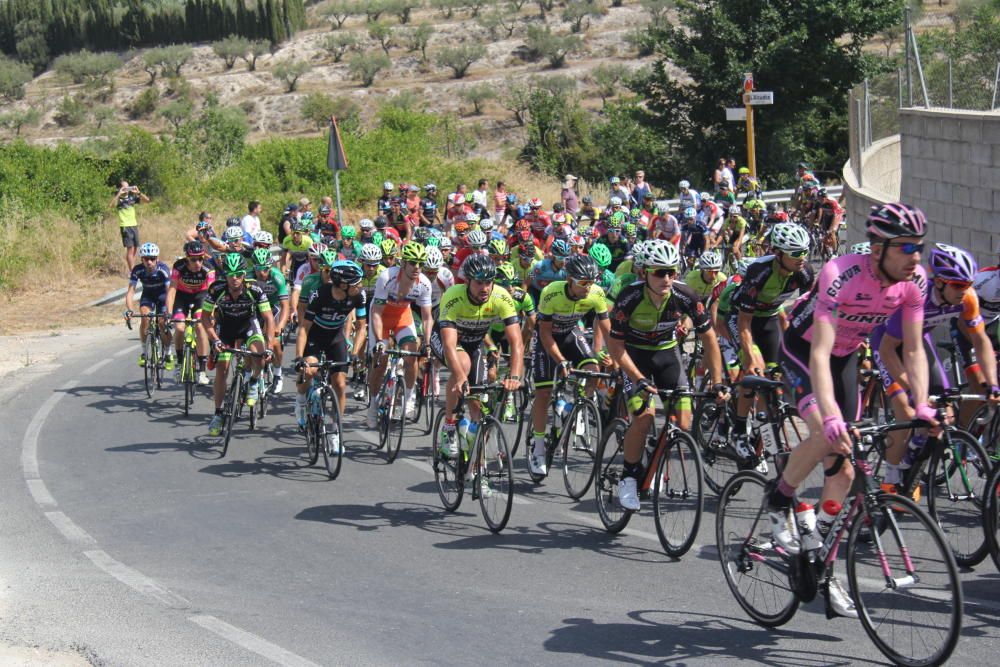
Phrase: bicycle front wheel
(581, 435)
(395, 414)
(607, 473)
(156, 350)
(904, 582)
(957, 503)
(991, 512)
(494, 476)
(333, 447)
(447, 469)
(756, 573)
(678, 495)
(187, 373)
(230, 410)
(712, 431)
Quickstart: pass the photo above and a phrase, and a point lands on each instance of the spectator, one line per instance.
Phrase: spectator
(568, 196)
(728, 174)
(481, 194)
(251, 221)
(717, 175)
(499, 203)
(305, 206)
(640, 188)
(124, 203)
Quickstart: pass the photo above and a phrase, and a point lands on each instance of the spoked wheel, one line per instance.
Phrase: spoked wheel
(447, 470)
(756, 573)
(904, 582)
(678, 495)
(252, 409)
(991, 513)
(607, 474)
(312, 439)
(580, 438)
(711, 432)
(230, 410)
(382, 409)
(148, 377)
(265, 391)
(187, 373)
(494, 478)
(156, 346)
(330, 440)
(514, 422)
(395, 413)
(957, 503)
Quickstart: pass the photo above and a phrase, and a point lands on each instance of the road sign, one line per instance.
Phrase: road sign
(747, 82)
(758, 98)
(739, 114)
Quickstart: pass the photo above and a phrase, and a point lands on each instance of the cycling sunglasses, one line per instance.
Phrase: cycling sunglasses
(958, 284)
(663, 273)
(798, 254)
(908, 248)
(583, 283)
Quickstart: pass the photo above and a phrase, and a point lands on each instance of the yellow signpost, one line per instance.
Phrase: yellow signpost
(751, 149)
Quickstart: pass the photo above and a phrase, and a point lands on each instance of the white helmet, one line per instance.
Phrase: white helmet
(477, 239)
(639, 255)
(387, 185)
(371, 253)
(366, 224)
(316, 249)
(234, 233)
(789, 237)
(861, 248)
(735, 209)
(660, 253)
(616, 201)
(149, 250)
(683, 185)
(705, 196)
(710, 261)
(435, 260)
(744, 264)
(486, 225)
(445, 243)
(263, 237)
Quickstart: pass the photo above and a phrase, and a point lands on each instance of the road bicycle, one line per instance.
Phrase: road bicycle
(323, 417)
(391, 402)
(427, 396)
(235, 398)
(574, 432)
(152, 370)
(673, 477)
(902, 575)
(189, 356)
(486, 464)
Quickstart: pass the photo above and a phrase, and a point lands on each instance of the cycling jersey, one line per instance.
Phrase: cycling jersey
(251, 300)
(515, 254)
(726, 305)
(987, 286)
(396, 313)
(523, 304)
(642, 325)
(188, 281)
(368, 282)
(154, 284)
(300, 275)
(275, 286)
(299, 251)
(440, 284)
(734, 226)
(607, 281)
(472, 321)
(522, 273)
(850, 295)
(556, 306)
(329, 314)
(310, 284)
(938, 313)
(706, 291)
(545, 272)
(664, 226)
(765, 289)
(621, 282)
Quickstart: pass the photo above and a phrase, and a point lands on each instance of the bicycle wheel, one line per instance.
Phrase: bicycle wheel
(904, 582)
(229, 410)
(148, 378)
(957, 504)
(494, 477)
(187, 374)
(330, 441)
(447, 471)
(395, 415)
(156, 351)
(513, 423)
(607, 473)
(252, 410)
(756, 573)
(429, 402)
(711, 431)
(580, 439)
(267, 381)
(990, 515)
(678, 495)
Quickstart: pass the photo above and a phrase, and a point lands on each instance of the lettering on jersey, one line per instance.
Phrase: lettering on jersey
(839, 281)
(862, 297)
(862, 318)
(699, 308)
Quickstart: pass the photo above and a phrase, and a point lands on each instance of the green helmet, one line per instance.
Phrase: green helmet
(433, 241)
(233, 264)
(327, 258)
(505, 274)
(630, 229)
(377, 238)
(414, 253)
(348, 232)
(498, 247)
(388, 247)
(600, 254)
(262, 259)
(617, 220)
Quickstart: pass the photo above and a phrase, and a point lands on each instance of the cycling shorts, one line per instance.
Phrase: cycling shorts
(766, 335)
(231, 332)
(938, 377)
(335, 347)
(406, 334)
(967, 353)
(477, 357)
(665, 368)
(795, 366)
(130, 236)
(729, 352)
(573, 345)
(156, 304)
(185, 300)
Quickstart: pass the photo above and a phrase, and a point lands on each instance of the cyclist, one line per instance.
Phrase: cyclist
(295, 249)
(307, 269)
(396, 290)
(734, 232)
(496, 343)
(366, 231)
(745, 183)
(708, 279)
(550, 269)
(323, 329)
(949, 299)
(189, 283)
(387, 195)
(852, 295)
(602, 256)
(728, 344)
(350, 247)
(327, 225)
(538, 220)
(829, 216)
(154, 276)
(270, 279)
(693, 234)
(233, 305)
(614, 240)
(643, 343)
(399, 219)
(429, 215)
(756, 323)
(467, 311)
(562, 343)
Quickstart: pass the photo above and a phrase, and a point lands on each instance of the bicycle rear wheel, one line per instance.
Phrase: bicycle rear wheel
(991, 510)
(494, 477)
(904, 582)
(395, 414)
(678, 495)
(429, 402)
(510, 414)
(711, 432)
(756, 573)
(957, 503)
(447, 470)
(267, 381)
(607, 473)
(581, 437)
(333, 446)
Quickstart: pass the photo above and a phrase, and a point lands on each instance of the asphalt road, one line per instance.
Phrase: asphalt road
(127, 539)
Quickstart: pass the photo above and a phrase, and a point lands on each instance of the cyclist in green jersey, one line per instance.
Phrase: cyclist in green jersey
(525, 306)
(562, 343)
(734, 231)
(602, 256)
(270, 279)
(636, 272)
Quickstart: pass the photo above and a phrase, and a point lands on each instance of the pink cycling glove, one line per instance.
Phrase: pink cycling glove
(834, 428)
(925, 413)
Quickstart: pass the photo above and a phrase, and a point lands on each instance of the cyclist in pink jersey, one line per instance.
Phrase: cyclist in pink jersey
(852, 295)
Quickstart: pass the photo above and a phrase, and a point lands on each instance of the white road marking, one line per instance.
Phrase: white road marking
(96, 367)
(429, 469)
(70, 530)
(41, 494)
(251, 642)
(119, 353)
(29, 445)
(135, 580)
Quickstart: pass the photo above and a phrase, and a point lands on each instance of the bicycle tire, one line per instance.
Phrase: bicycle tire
(230, 410)
(156, 348)
(957, 504)
(990, 515)
(187, 374)
(515, 428)
(493, 464)
(383, 408)
(579, 448)
(607, 473)
(267, 381)
(912, 532)
(147, 371)
(428, 402)
(447, 471)
(678, 495)
(755, 573)
(252, 409)
(396, 416)
(718, 459)
(331, 434)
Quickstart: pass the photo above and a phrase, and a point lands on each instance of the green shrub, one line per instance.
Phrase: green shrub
(71, 112)
(365, 66)
(144, 104)
(13, 76)
(87, 67)
(231, 49)
(460, 58)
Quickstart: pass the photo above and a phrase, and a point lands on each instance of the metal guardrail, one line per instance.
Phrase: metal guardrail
(770, 197)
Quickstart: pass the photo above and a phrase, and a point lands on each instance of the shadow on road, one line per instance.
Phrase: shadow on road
(367, 518)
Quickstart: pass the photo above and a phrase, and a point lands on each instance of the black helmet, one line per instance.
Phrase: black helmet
(479, 267)
(582, 267)
(381, 222)
(194, 249)
(346, 273)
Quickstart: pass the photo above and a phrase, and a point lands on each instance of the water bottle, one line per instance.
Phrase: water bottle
(805, 519)
(561, 407)
(567, 408)
(913, 450)
(827, 514)
(471, 433)
(648, 451)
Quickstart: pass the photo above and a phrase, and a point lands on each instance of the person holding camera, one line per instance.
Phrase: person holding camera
(124, 203)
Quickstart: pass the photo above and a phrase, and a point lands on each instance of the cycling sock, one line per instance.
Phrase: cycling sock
(739, 425)
(277, 371)
(218, 411)
(781, 496)
(891, 474)
(201, 362)
(449, 424)
(633, 470)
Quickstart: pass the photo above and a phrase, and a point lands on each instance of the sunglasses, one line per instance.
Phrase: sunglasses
(798, 254)
(958, 284)
(416, 265)
(196, 259)
(150, 259)
(908, 248)
(663, 273)
(583, 283)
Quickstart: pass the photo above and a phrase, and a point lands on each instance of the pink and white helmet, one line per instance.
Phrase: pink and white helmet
(891, 221)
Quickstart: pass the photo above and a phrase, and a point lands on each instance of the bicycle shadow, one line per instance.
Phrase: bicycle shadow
(197, 447)
(681, 636)
(367, 518)
(294, 469)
